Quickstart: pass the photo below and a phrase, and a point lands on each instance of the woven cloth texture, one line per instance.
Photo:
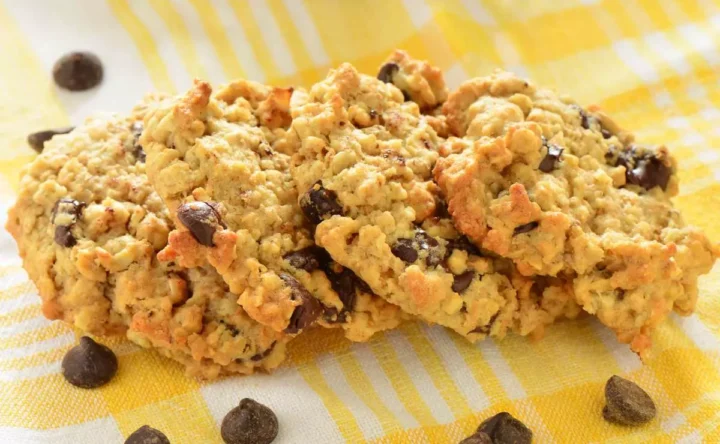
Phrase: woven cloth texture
(653, 64)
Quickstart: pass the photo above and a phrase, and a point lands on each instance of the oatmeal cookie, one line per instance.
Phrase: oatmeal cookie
(88, 226)
(220, 162)
(364, 168)
(562, 190)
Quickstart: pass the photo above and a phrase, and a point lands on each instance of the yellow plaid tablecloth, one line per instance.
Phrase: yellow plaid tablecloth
(652, 63)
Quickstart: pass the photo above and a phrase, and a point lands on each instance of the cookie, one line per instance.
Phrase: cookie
(364, 170)
(89, 225)
(221, 163)
(562, 190)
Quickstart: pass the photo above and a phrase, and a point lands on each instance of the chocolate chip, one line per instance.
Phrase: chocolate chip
(461, 243)
(605, 133)
(525, 228)
(405, 250)
(78, 71)
(646, 170)
(37, 140)
(406, 95)
(258, 356)
(477, 438)
(201, 219)
(308, 310)
(89, 364)
(65, 214)
(249, 423)
(627, 403)
(552, 157)
(462, 281)
(387, 72)
(147, 435)
(319, 204)
(503, 428)
(308, 259)
(137, 128)
(584, 118)
(485, 329)
(429, 244)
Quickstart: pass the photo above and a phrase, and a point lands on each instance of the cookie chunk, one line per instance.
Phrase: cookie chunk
(562, 190)
(364, 170)
(89, 225)
(221, 163)
(418, 80)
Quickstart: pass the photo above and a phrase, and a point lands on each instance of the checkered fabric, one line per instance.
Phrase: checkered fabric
(653, 64)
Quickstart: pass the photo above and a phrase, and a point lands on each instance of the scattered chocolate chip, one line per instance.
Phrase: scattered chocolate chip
(258, 356)
(477, 438)
(503, 428)
(37, 140)
(147, 435)
(387, 72)
(89, 364)
(308, 310)
(405, 250)
(552, 157)
(319, 203)
(406, 95)
(308, 259)
(201, 219)
(525, 228)
(65, 214)
(78, 71)
(627, 403)
(462, 281)
(605, 133)
(249, 423)
(646, 170)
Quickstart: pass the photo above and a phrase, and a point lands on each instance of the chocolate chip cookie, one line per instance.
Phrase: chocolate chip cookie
(364, 170)
(89, 226)
(221, 163)
(562, 190)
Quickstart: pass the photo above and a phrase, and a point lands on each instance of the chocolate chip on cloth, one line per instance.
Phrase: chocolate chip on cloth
(391, 233)
(504, 428)
(147, 435)
(89, 364)
(562, 190)
(37, 140)
(627, 403)
(249, 423)
(87, 189)
(221, 163)
(78, 71)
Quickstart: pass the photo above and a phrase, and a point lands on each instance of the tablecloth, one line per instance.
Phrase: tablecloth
(651, 63)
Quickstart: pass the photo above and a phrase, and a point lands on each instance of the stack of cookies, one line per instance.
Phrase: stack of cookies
(217, 225)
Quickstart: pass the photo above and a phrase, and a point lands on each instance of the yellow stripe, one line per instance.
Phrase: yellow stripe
(337, 410)
(181, 37)
(221, 42)
(31, 337)
(145, 44)
(480, 369)
(24, 81)
(363, 388)
(434, 366)
(43, 358)
(308, 72)
(244, 15)
(13, 317)
(16, 291)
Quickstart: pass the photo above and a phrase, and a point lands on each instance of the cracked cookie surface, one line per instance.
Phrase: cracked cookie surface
(88, 226)
(562, 190)
(221, 163)
(364, 171)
